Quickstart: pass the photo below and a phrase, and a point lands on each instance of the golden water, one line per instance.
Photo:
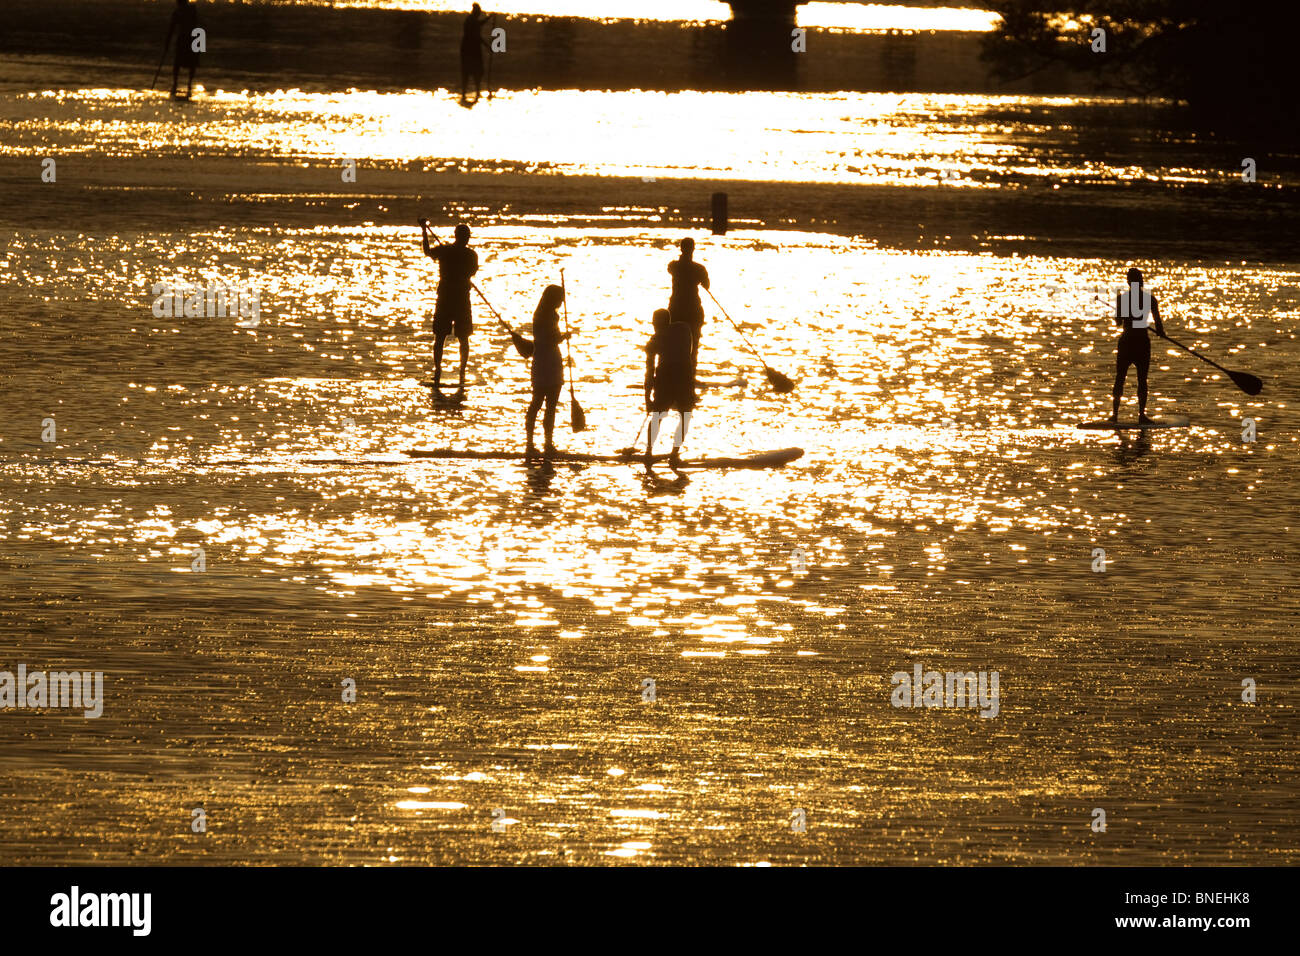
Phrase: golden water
(499, 620)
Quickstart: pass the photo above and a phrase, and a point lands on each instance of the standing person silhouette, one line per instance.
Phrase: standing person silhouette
(184, 21)
(457, 264)
(669, 380)
(471, 54)
(547, 367)
(684, 303)
(1136, 310)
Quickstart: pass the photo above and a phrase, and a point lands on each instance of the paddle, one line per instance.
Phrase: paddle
(1243, 380)
(522, 345)
(631, 449)
(162, 59)
(577, 418)
(780, 383)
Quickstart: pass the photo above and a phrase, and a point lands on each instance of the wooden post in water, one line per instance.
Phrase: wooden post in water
(719, 214)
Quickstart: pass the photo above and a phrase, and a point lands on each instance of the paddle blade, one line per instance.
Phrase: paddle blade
(522, 345)
(780, 383)
(1247, 383)
(577, 416)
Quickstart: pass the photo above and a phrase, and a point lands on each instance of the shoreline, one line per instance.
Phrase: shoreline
(1083, 221)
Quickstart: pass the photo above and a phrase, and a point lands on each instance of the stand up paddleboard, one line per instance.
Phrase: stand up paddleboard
(1105, 424)
(767, 459)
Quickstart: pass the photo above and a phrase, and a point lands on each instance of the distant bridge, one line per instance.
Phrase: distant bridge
(783, 11)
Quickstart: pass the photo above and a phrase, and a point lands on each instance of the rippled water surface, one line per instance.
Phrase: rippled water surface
(499, 620)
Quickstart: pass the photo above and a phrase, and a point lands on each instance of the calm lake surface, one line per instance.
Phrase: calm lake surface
(935, 271)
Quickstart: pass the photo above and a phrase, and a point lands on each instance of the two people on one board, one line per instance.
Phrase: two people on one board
(184, 21)
(1136, 311)
(457, 264)
(472, 45)
(672, 354)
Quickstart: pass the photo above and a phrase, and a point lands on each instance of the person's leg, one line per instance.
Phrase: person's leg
(1121, 371)
(464, 361)
(439, 339)
(1143, 366)
(176, 74)
(530, 421)
(683, 423)
(652, 431)
(548, 422)
(189, 86)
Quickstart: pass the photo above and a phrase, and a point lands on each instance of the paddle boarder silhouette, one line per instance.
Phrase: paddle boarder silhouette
(547, 367)
(472, 45)
(184, 21)
(684, 303)
(457, 264)
(1135, 310)
(669, 380)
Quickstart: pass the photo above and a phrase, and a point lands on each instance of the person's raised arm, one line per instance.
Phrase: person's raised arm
(424, 235)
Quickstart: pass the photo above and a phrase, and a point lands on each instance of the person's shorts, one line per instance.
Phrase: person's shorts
(452, 321)
(1134, 349)
(550, 393)
(672, 397)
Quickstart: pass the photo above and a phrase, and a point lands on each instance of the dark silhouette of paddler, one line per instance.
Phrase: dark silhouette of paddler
(684, 303)
(669, 380)
(472, 45)
(1136, 311)
(457, 264)
(547, 367)
(184, 21)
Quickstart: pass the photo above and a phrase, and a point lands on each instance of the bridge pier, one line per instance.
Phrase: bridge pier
(779, 11)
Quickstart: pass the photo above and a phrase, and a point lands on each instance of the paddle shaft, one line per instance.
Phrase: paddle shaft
(637, 437)
(564, 296)
(1199, 355)
(736, 327)
(161, 60)
(494, 312)
(578, 418)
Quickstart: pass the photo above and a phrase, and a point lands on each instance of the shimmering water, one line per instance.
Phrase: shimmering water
(499, 621)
